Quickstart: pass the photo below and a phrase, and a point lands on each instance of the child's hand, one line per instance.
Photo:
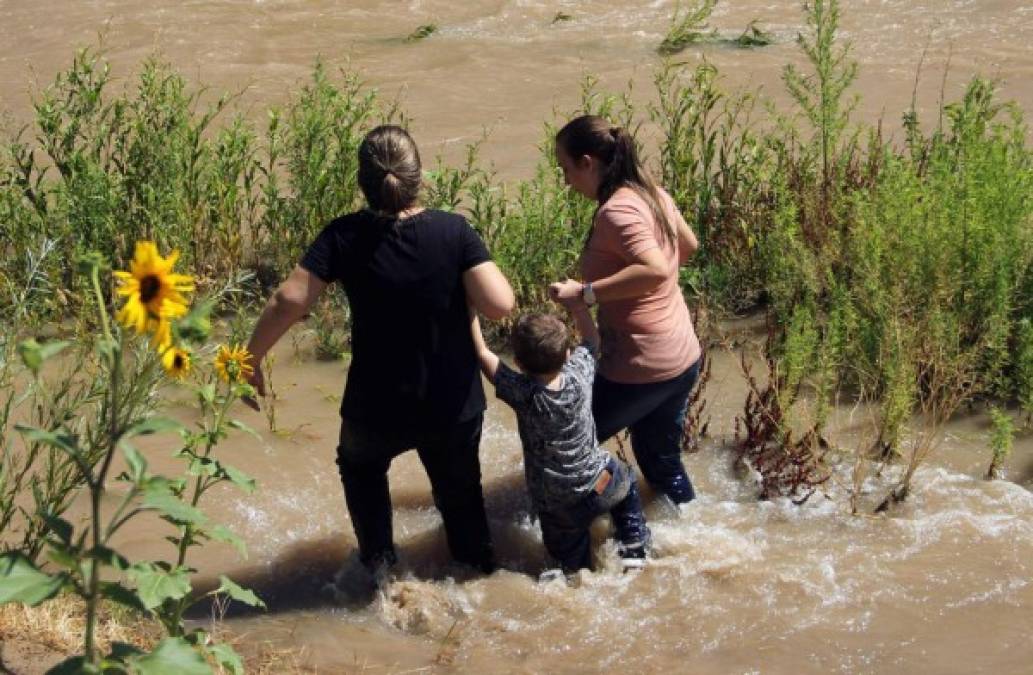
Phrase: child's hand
(567, 293)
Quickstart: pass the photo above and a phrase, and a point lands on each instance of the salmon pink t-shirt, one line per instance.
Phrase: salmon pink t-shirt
(649, 338)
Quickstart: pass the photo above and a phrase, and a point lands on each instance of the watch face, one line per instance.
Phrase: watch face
(588, 294)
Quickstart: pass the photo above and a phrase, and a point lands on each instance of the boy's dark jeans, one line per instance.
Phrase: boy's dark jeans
(449, 456)
(655, 415)
(565, 532)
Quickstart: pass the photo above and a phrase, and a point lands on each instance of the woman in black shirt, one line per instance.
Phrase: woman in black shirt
(409, 274)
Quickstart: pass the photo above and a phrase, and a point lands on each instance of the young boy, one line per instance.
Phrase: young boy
(570, 478)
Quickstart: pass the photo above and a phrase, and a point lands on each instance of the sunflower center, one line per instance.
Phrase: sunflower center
(178, 362)
(149, 287)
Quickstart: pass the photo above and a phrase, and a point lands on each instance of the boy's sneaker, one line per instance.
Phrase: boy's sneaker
(551, 575)
(633, 556)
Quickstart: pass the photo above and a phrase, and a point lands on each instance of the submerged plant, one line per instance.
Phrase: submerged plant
(754, 36)
(688, 28)
(785, 461)
(422, 32)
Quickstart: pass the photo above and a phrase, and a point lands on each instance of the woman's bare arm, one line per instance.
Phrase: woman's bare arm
(488, 290)
(291, 301)
(648, 271)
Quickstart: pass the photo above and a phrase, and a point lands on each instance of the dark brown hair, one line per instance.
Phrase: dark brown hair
(614, 147)
(540, 343)
(389, 170)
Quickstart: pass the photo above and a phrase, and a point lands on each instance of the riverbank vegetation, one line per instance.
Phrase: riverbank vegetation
(894, 274)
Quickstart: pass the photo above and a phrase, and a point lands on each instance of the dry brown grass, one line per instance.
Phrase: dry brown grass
(57, 627)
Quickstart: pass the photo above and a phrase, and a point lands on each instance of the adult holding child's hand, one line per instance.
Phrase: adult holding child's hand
(650, 352)
(409, 274)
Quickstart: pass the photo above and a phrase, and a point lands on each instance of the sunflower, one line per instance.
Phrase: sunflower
(153, 293)
(233, 363)
(176, 362)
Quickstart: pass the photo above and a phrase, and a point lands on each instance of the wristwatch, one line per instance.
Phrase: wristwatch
(587, 294)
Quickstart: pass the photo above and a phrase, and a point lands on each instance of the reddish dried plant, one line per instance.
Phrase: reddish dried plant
(764, 440)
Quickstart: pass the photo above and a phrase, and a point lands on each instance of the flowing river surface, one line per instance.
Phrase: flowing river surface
(506, 65)
(942, 584)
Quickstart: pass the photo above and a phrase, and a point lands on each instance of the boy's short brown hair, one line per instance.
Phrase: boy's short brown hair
(540, 343)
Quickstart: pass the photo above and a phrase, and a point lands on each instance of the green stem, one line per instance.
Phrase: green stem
(96, 484)
(117, 520)
(200, 487)
(101, 309)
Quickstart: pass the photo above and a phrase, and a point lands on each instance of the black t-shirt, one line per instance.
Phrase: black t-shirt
(413, 360)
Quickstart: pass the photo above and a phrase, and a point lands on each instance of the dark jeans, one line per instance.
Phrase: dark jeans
(449, 456)
(565, 531)
(655, 415)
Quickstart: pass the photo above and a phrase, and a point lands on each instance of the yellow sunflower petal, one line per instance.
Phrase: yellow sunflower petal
(153, 293)
(233, 363)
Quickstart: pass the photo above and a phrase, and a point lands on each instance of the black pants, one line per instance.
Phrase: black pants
(655, 415)
(449, 456)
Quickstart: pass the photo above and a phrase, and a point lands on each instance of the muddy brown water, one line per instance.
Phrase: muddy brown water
(738, 586)
(503, 65)
(942, 584)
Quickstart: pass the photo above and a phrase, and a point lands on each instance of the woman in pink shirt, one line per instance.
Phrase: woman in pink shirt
(650, 352)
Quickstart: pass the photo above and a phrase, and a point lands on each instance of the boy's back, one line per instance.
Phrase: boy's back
(562, 459)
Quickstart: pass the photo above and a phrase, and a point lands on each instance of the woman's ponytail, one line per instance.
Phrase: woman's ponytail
(390, 173)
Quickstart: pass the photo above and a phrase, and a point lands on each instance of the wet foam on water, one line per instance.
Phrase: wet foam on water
(735, 583)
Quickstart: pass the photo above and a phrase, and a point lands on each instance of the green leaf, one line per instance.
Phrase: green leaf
(59, 526)
(126, 597)
(136, 461)
(207, 393)
(237, 424)
(158, 496)
(227, 658)
(238, 593)
(239, 478)
(110, 557)
(226, 536)
(153, 425)
(33, 354)
(154, 586)
(65, 556)
(172, 656)
(244, 389)
(20, 581)
(107, 349)
(64, 442)
(203, 466)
